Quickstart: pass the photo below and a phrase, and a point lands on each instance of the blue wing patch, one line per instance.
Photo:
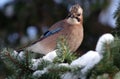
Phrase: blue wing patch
(51, 32)
(48, 33)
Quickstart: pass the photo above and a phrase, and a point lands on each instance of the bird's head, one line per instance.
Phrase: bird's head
(75, 15)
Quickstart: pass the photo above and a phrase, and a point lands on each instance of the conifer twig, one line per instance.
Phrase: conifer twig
(24, 68)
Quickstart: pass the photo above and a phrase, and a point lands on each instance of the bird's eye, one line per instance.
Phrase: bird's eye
(78, 14)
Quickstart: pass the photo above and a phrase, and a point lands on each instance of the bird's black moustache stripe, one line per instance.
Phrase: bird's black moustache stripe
(70, 15)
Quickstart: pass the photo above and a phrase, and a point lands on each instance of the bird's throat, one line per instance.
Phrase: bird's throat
(73, 20)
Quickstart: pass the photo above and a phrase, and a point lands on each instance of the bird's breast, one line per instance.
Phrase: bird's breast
(75, 37)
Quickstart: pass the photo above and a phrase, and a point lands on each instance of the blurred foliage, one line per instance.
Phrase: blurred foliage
(117, 16)
(30, 12)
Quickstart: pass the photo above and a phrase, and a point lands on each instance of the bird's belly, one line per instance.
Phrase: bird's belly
(75, 41)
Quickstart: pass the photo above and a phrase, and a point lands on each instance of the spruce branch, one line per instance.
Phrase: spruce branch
(20, 69)
(110, 62)
(64, 55)
(24, 68)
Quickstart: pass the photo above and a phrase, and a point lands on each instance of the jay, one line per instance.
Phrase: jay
(71, 28)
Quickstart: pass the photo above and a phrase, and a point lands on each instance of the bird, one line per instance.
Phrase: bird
(71, 28)
(91, 58)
